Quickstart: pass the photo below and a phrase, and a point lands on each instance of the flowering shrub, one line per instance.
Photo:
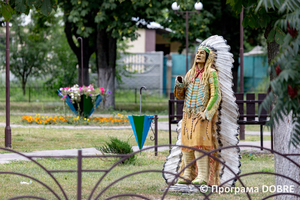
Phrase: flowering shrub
(75, 92)
(119, 119)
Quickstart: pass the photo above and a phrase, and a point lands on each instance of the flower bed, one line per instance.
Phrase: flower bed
(83, 100)
(76, 92)
(65, 120)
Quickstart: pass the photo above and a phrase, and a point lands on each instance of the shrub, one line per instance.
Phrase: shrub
(116, 146)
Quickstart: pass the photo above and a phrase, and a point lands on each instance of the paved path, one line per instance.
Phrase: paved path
(8, 157)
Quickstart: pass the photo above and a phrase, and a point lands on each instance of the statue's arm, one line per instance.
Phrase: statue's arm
(215, 96)
(180, 87)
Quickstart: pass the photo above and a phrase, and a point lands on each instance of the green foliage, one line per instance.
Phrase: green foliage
(216, 18)
(63, 61)
(267, 170)
(6, 10)
(249, 156)
(281, 17)
(114, 16)
(23, 6)
(198, 23)
(28, 51)
(117, 146)
(285, 94)
(257, 17)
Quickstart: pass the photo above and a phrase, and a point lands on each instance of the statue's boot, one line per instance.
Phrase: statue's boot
(202, 165)
(188, 157)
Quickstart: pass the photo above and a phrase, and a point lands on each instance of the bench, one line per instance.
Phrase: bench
(250, 117)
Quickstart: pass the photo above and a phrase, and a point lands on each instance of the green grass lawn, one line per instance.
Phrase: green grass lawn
(146, 184)
(149, 108)
(35, 139)
(256, 138)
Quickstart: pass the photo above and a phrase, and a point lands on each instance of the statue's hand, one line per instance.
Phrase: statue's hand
(179, 79)
(202, 116)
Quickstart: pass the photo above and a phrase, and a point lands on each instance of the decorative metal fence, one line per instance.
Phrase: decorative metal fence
(62, 193)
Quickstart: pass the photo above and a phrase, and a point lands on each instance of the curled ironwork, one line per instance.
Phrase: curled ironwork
(79, 171)
(152, 137)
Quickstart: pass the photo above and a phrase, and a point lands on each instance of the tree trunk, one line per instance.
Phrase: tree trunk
(106, 61)
(86, 58)
(282, 132)
(88, 50)
(282, 165)
(23, 87)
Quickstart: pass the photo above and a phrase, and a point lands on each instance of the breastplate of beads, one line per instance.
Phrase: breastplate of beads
(195, 94)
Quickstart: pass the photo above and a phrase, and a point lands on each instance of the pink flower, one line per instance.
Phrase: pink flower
(65, 95)
(62, 99)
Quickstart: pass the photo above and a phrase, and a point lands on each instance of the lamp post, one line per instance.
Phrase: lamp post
(7, 127)
(198, 6)
(242, 127)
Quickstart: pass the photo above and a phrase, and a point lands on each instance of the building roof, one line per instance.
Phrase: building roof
(258, 50)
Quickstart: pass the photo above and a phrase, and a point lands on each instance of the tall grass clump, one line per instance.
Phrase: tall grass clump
(117, 146)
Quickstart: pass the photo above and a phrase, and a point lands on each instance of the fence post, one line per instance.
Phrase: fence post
(79, 174)
(155, 134)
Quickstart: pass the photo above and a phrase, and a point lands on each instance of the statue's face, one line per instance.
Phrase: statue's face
(200, 56)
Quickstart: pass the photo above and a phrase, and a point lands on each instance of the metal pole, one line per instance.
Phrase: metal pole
(242, 127)
(155, 134)
(241, 52)
(143, 87)
(7, 127)
(79, 174)
(81, 54)
(187, 39)
(140, 103)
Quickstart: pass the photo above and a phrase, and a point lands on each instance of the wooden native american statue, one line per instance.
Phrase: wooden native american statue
(209, 120)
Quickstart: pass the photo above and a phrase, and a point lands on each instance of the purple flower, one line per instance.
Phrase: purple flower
(108, 92)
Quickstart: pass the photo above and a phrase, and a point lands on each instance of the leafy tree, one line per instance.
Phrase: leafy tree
(102, 23)
(281, 21)
(199, 24)
(79, 19)
(23, 63)
(23, 6)
(216, 18)
(28, 51)
(62, 62)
